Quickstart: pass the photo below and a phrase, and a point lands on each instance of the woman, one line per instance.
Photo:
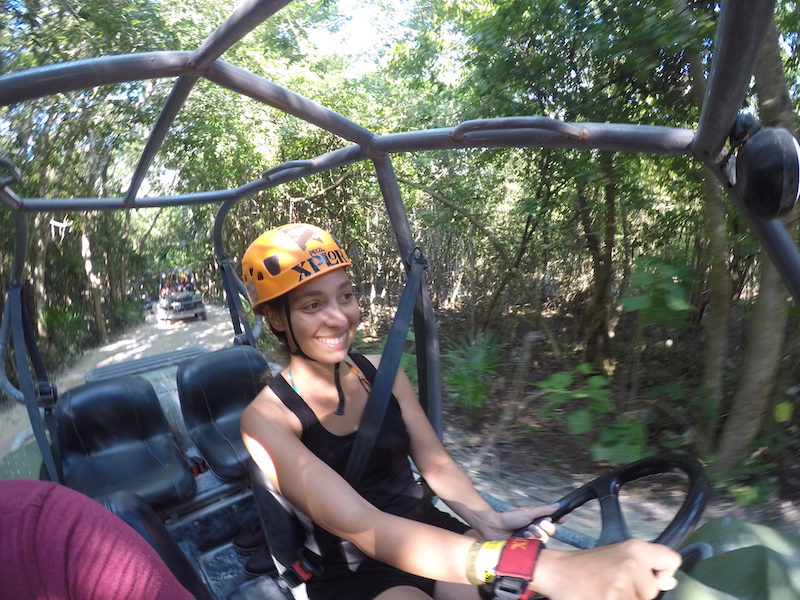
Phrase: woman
(380, 538)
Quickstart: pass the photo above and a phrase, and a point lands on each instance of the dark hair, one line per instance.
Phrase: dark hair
(276, 304)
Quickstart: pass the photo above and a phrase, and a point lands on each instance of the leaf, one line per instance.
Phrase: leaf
(676, 300)
(602, 403)
(617, 453)
(585, 368)
(579, 421)
(745, 495)
(783, 412)
(641, 279)
(597, 381)
(561, 379)
(632, 303)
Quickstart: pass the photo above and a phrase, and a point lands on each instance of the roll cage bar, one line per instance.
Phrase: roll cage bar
(741, 27)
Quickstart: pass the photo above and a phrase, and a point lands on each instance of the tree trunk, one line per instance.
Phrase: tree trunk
(719, 278)
(596, 328)
(94, 288)
(767, 326)
(719, 298)
(38, 260)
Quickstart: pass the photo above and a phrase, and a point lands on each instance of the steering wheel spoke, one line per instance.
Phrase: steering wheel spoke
(606, 490)
(614, 529)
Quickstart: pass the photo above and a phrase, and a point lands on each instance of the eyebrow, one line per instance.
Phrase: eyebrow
(313, 292)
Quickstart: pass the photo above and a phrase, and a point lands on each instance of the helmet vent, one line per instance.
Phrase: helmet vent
(273, 265)
(260, 276)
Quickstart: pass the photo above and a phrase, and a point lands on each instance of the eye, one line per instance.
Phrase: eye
(313, 305)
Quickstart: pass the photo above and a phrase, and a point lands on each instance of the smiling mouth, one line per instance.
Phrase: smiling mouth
(333, 341)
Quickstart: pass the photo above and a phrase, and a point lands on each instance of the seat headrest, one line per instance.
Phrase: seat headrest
(107, 412)
(223, 381)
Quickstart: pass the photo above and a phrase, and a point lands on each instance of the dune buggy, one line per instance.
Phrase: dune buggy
(179, 296)
(192, 503)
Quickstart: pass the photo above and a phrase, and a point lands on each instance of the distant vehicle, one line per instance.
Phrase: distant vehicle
(178, 297)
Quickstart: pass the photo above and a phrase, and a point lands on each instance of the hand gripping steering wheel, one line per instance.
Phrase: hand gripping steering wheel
(606, 490)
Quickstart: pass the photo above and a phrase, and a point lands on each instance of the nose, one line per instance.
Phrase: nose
(335, 315)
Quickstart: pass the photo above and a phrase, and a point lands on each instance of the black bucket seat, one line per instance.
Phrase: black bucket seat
(113, 435)
(214, 389)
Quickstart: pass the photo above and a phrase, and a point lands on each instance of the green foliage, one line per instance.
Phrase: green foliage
(70, 330)
(751, 482)
(659, 292)
(783, 412)
(582, 400)
(124, 314)
(468, 368)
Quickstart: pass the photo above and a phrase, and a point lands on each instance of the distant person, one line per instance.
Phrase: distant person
(381, 537)
(57, 544)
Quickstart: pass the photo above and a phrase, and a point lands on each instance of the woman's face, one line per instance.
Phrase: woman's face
(324, 314)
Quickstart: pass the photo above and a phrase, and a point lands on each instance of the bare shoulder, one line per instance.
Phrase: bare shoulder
(375, 359)
(402, 388)
(267, 408)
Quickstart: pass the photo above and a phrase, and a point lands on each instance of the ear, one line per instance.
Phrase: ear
(275, 317)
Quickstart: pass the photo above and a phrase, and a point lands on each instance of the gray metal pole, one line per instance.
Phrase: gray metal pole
(774, 237)
(279, 175)
(261, 89)
(593, 136)
(168, 113)
(426, 334)
(248, 16)
(89, 73)
(742, 26)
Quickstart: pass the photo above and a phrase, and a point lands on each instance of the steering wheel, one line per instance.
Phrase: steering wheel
(606, 490)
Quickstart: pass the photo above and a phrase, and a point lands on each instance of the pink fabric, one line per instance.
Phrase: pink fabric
(57, 544)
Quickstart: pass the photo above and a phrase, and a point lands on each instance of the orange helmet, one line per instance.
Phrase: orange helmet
(283, 258)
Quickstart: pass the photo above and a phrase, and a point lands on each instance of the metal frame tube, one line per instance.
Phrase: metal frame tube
(781, 248)
(89, 73)
(247, 16)
(742, 26)
(167, 116)
(425, 331)
(244, 19)
(249, 84)
(5, 332)
(10, 199)
(594, 136)
(323, 162)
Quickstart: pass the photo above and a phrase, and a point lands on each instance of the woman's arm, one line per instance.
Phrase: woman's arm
(316, 489)
(629, 571)
(445, 477)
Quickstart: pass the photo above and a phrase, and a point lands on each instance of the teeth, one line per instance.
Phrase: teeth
(333, 341)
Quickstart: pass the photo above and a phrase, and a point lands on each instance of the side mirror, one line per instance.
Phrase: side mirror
(768, 172)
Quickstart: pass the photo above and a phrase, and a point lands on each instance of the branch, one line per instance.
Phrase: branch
(469, 217)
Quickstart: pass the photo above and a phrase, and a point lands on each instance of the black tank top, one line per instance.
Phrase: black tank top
(388, 482)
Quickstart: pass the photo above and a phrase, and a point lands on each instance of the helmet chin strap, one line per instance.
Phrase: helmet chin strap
(298, 351)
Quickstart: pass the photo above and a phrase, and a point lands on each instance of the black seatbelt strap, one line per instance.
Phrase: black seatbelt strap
(26, 383)
(378, 400)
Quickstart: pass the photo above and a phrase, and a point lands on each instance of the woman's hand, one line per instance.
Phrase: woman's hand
(501, 525)
(630, 570)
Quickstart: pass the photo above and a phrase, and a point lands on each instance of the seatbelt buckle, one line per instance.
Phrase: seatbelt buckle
(46, 394)
(515, 567)
(303, 569)
(197, 464)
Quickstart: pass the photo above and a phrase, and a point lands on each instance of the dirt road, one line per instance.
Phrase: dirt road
(150, 338)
